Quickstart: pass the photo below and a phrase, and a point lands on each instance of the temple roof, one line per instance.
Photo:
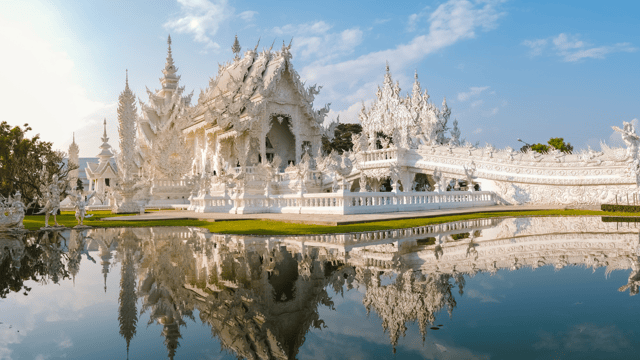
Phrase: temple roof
(238, 91)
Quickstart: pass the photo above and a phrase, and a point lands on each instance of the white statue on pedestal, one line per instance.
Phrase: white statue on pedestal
(469, 173)
(80, 204)
(51, 199)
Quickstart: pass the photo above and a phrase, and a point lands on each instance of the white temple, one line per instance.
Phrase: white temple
(253, 143)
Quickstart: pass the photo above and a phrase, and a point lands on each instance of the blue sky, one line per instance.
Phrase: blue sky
(509, 69)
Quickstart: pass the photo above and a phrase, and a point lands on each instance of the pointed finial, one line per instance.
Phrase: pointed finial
(256, 48)
(290, 42)
(169, 66)
(387, 67)
(273, 43)
(416, 75)
(236, 48)
(126, 78)
(104, 137)
(74, 137)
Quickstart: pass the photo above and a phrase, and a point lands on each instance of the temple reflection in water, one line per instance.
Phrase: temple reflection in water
(261, 295)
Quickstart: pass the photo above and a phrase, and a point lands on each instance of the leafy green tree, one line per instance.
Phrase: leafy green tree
(557, 143)
(342, 138)
(23, 159)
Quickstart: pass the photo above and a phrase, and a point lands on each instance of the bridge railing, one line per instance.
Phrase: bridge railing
(343, 203)
(381, 154)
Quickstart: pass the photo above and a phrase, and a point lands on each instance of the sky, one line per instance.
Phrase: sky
(509, 69)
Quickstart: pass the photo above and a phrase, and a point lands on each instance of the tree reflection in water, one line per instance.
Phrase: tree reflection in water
(262, 295)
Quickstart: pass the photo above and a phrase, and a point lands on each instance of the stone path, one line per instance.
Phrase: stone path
(331, 220)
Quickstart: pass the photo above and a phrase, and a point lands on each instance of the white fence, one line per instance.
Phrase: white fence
(345, 203)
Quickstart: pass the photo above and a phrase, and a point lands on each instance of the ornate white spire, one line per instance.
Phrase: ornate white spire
(127, 118)
(236, 48)
(74, 159)
(105, 154)
(105, 138)
(387, 75)
(74, 150)
(169, 81)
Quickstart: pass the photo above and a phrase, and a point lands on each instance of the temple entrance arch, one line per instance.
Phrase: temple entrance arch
(280, 140)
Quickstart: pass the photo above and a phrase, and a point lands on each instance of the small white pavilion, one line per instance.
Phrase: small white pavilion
(103, 174)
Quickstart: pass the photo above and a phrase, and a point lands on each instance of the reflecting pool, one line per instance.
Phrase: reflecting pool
(525, 288)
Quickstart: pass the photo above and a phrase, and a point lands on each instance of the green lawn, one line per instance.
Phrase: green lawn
(268, 227)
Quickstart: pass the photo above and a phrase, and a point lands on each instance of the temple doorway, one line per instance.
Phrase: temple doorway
(280, 140)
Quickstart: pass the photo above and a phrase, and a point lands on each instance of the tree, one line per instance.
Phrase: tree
(555, 143)
(342, 138)
(26, 163)
(79, 185)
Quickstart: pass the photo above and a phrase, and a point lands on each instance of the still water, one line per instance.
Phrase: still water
(527, 288)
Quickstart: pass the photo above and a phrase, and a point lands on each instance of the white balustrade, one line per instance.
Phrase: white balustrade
(381, 154)
(343, 203)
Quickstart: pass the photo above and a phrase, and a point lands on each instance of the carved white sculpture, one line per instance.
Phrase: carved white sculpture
(51, 201)
(80, 204)
(12, 211)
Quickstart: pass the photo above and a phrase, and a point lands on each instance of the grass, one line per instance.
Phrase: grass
(68, 219)
(270, 227)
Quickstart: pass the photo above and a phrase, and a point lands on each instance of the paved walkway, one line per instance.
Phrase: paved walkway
(331, 220)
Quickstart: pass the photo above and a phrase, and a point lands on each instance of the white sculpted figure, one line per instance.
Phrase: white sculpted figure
(589, 157)
(469, 171)
(630, 138)
(51, 199)
(12, 211)
(80, 204)
(437, 179)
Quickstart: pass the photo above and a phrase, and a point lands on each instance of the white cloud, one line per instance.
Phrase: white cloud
(39, 86)
(477, 131)
(585, 337)
(450, 23)
(248, 15)
(477, 103)
(316, 28)
(473, 91)
(65, 342)
(202, 19)
(475, 294)
(316, 41)
(536, 45)
(380, 21)
(571, 49)
(348, 115)
(415, 19)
